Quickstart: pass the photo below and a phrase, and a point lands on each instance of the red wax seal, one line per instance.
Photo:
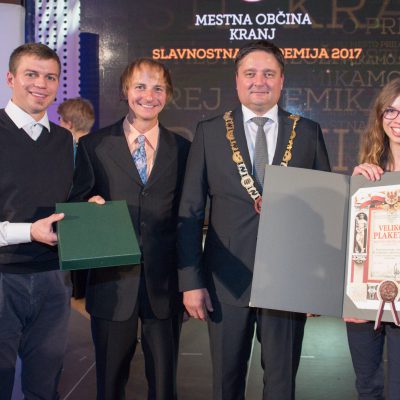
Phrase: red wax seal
(388, 291)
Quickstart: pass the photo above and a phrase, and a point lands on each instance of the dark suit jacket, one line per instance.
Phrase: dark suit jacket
(226, 265)
(104, 166)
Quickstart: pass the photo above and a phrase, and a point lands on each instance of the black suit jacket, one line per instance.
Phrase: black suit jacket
(226, 265)
(104, 166)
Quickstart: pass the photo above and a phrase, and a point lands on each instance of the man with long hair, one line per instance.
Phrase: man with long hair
(137, 160)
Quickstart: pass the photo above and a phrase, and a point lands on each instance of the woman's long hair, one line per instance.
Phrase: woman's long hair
(375, 148)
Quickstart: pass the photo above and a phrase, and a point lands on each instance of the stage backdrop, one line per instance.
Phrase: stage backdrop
(12, 34)
(339, 54)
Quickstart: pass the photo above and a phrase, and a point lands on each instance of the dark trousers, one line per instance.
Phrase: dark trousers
(79, 278)
(366, 348)
(34, 314)
(231, 331)
(115, 344)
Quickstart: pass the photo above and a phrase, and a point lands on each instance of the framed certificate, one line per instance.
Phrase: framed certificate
(328, 244)
(373, 259)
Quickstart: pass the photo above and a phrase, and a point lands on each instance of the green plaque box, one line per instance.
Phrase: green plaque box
(94, 236)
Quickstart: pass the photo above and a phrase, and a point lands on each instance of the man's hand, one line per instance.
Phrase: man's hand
(197, 303)
(97, 199)
(371, 171)
(42, 230)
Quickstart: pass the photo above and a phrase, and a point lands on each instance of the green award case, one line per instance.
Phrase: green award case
(93, 236)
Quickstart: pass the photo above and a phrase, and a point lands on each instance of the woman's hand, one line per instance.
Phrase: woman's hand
(355, 320)
(371, 171)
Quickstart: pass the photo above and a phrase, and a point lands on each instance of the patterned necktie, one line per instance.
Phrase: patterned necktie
(260, 150)
(139, 157)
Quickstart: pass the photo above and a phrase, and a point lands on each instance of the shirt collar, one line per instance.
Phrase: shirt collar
(132, 133)
(272, 113)
(21, 118)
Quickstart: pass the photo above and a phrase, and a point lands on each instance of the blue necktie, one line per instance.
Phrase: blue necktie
(139, 157)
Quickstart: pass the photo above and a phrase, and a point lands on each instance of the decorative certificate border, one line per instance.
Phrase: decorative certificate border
(374, 244)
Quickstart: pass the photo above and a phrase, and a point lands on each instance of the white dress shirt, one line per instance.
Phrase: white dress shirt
(14, 233)
(270, 129)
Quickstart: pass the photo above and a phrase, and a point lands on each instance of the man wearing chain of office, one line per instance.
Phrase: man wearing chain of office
(227, 163)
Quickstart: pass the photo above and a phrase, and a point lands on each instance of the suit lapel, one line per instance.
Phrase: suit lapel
(284, 130)
(118, 151)
(165, 156)
(240, 137)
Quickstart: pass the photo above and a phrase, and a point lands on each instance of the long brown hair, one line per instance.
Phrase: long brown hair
(375, 147)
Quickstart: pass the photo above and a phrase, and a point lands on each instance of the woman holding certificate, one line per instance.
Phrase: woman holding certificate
(380, 152)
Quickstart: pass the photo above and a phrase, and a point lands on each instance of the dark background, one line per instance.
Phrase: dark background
(336, 93)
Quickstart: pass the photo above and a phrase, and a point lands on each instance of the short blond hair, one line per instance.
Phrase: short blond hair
(79, 112)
